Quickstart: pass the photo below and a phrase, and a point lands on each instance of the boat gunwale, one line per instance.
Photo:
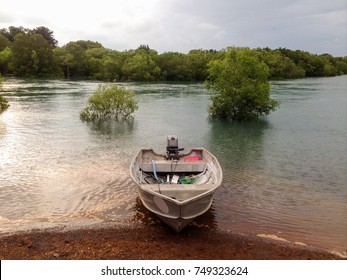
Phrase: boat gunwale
(175, 201)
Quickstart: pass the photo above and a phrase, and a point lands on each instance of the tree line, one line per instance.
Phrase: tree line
(35, 53)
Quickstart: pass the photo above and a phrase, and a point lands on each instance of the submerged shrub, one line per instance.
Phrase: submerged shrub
(240, 86)
(110, 102)
(3, 104)
(3, 101)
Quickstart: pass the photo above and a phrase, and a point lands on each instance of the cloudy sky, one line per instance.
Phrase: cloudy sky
(317, 26)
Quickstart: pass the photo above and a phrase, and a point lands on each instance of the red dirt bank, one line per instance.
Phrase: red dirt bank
(150, 242)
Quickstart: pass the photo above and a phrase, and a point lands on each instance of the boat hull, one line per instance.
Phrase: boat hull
(177, 216)
(176, 204)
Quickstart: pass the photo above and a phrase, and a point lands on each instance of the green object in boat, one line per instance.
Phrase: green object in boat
(188, 180)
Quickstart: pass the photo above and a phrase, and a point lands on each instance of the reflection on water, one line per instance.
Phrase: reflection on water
(284, 174)
(112, 128)
(142, 215)
(89, 193)
(238, 145)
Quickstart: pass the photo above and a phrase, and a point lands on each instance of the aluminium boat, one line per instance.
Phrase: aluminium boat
(175, 186)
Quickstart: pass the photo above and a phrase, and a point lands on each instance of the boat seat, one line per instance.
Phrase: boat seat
(178, 187)
(186, 187)
(181, 192)
(173, 166)
(151, 187)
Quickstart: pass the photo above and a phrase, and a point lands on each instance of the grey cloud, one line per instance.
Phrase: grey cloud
(300, 24)
(6, 18)
(183, 25)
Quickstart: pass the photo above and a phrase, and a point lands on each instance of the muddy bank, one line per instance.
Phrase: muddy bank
(148, 243)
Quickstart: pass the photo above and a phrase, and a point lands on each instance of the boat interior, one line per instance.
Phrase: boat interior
(177, 179)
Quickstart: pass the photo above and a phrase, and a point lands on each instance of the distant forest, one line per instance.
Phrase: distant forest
(35, 53)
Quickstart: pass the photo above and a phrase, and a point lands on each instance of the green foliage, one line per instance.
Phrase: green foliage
(34, 52)
(109, 102)
(175, 67)
(281, 67)
(12, 31)
(75, 59)
(103, 64)
(240, 86)
(4, 42)
(32, 55)
(46, 34)
(4, 105)
(324, 65)
(141, 65)
(198, 61)
(5, 59)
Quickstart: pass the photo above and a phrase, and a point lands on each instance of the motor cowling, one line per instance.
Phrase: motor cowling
(172, 150)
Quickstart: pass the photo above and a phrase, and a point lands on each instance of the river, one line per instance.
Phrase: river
(284, 175)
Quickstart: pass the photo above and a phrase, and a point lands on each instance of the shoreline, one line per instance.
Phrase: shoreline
(146, 242)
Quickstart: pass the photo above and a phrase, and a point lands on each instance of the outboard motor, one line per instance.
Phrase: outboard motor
(172, 150)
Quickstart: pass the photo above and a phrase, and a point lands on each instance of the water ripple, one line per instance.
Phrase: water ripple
(285, 175)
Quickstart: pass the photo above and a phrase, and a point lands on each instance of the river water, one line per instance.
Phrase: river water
(284, 175)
